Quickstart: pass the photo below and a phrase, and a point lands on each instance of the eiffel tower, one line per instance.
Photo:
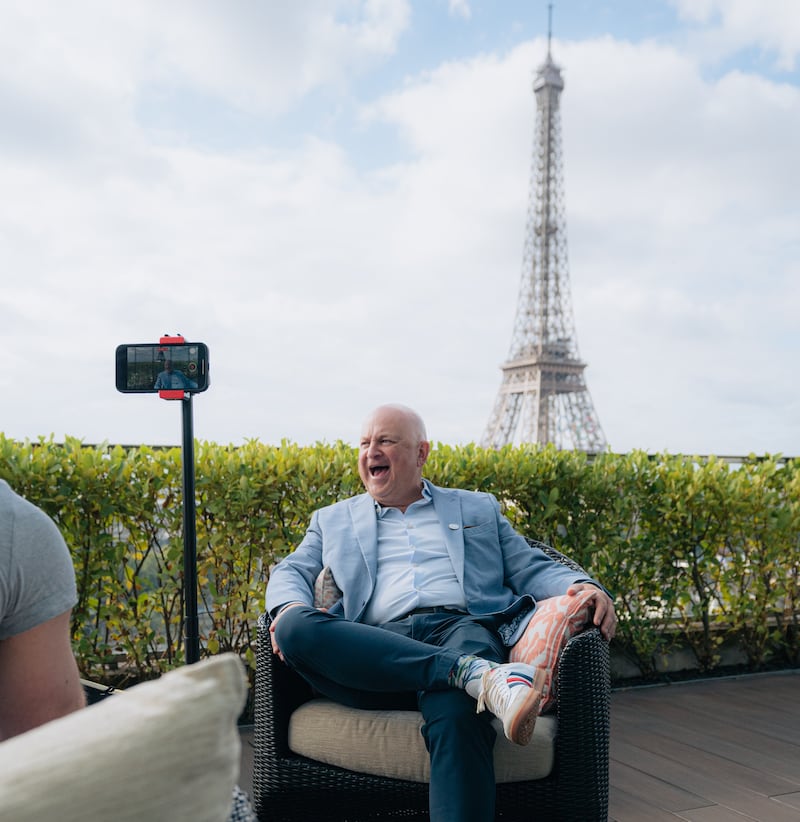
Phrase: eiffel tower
(543, 396)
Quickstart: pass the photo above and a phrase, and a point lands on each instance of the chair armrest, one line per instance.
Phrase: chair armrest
(584, 726)
(278, 692)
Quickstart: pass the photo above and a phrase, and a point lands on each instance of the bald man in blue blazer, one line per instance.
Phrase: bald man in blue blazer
(436, 586)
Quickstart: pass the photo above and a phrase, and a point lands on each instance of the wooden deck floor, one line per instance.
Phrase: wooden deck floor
(720, 750)
(707, 751)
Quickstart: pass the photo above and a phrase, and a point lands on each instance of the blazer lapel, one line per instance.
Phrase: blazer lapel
(448, 509)
(365, 526)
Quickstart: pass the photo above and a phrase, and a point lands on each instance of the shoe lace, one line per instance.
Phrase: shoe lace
(492, 692)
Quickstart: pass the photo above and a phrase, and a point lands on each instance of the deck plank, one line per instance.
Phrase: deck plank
(654, 791)
(629, 808)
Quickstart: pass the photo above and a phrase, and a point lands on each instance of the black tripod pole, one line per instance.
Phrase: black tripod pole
(191, 627)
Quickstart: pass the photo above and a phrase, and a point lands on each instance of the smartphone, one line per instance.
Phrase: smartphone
(147, 368)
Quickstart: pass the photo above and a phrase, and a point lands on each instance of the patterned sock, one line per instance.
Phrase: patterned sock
(468, 672)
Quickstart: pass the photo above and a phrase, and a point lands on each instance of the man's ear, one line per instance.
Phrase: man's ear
(424, 450)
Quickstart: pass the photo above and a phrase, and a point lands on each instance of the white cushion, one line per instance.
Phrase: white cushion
(166, 749)
(390, 743)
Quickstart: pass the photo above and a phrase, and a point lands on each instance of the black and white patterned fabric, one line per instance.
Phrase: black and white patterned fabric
(241, 810)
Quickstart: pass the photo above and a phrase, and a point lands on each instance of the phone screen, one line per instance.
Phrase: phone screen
(153, 367)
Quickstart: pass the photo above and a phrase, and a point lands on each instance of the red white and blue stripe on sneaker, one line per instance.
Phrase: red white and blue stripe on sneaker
(516, 678)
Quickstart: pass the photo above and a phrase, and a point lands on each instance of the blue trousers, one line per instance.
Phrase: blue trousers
(405, 664)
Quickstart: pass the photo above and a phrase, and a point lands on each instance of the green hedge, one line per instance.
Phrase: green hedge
(694, 550)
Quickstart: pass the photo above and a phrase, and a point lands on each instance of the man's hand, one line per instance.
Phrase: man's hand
(273, 641)
(604, 616)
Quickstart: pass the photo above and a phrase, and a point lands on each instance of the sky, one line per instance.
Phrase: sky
(332, 195)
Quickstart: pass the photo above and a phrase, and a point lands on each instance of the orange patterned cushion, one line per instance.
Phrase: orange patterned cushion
(555, 620)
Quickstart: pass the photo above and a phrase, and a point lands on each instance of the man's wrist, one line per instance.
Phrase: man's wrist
(278, 610)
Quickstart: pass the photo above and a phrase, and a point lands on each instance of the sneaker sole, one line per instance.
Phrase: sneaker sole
(521, 729)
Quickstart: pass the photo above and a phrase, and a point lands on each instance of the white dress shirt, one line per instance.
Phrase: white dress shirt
(414, 568)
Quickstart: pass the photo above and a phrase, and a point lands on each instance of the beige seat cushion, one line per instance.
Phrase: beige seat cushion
(390, 743)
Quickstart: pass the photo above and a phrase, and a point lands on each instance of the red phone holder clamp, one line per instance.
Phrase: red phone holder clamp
(171, 393)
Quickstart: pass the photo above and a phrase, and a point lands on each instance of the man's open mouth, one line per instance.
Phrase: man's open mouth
(378, 470)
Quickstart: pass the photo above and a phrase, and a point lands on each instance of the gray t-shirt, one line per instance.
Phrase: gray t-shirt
(37, 578)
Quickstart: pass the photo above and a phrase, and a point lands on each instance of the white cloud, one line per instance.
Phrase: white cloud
(94, 59)
(734, 25)
(264, 56)
(459, 8)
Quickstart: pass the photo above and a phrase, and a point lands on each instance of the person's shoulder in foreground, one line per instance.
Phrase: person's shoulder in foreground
(39, 678)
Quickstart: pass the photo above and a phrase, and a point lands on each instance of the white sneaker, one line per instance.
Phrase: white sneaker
(513, 693)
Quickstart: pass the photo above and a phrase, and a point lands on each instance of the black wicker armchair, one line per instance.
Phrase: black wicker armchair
(287, 786)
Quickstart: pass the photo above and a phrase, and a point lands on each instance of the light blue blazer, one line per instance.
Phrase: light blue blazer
(498, 570)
